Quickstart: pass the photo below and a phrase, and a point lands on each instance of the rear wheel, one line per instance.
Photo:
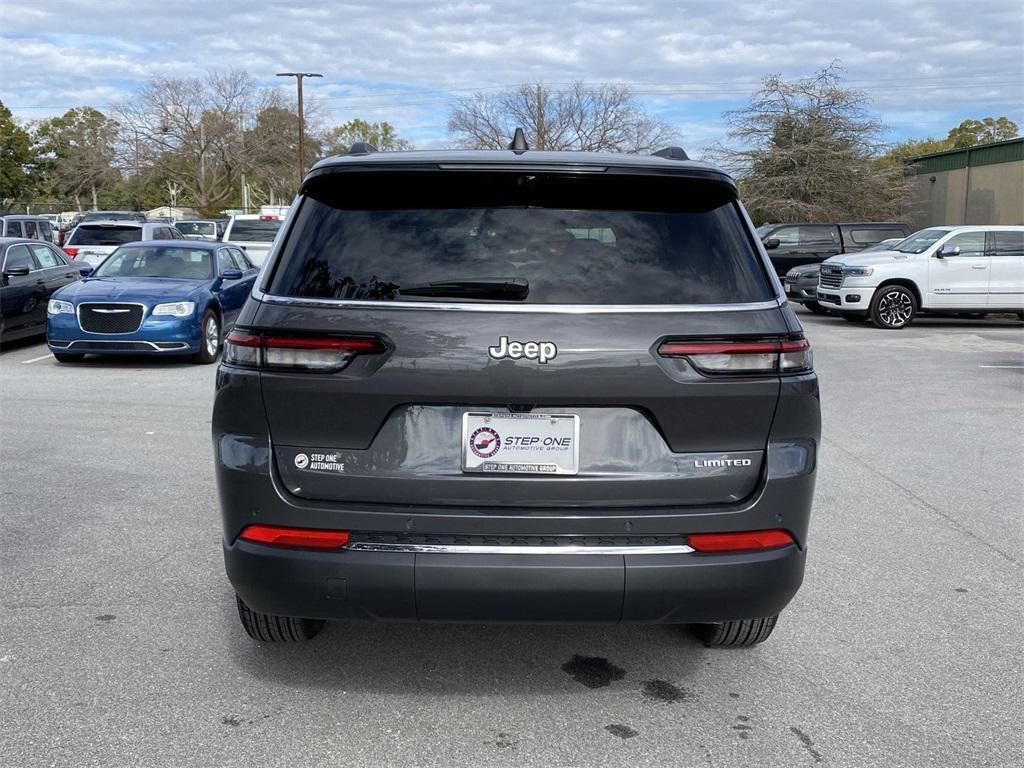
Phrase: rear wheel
(736, 634)
(815, 307)
(64, 357)
(268, 628)
(209, 339)
(893, 307)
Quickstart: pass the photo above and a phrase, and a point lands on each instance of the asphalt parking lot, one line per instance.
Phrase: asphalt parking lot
(119, 644)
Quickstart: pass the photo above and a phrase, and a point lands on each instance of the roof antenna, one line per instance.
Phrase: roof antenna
(519, 144)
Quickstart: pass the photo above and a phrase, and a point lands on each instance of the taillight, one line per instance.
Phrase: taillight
(304, 538)
(744, 541)
(310, 353)
(72, 252)
(743, 357)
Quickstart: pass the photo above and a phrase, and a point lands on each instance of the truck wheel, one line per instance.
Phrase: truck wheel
(736, 634)
(893, 307)
(276, 629)
(64, 357)
(815, 307)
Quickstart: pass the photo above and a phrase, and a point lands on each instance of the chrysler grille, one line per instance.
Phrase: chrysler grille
(831, 277)
(110, 318)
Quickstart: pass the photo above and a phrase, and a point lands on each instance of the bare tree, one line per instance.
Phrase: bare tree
(602, 118)
(809, 150)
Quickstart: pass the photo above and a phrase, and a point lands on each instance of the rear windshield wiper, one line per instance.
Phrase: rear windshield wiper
(507, 288)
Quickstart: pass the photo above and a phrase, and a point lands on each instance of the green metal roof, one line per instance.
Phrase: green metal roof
(1009, 151)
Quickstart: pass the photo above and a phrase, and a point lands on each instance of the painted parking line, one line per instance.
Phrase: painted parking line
(1001, 366)
(37, 359)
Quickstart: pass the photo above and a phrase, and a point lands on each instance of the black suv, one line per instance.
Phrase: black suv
(516, 386)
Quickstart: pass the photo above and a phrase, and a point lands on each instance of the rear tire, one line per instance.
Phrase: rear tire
(64, 357)
(209, 339)
(893, 307)
(268, 628)
(815, 307)
(736, 634)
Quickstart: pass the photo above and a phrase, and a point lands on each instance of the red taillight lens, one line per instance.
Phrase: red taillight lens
(743, 357)
(328, 353)
(72, 252)
(304, 538)
(745, 541)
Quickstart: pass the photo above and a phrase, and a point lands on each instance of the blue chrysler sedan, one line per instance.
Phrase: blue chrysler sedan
(161, 297)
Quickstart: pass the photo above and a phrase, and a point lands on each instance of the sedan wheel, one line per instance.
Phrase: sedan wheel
(209, 339)
(893, 307)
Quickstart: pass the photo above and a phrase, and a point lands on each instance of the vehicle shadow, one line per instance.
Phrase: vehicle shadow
(482, 659)
(132, 361)
(19, 344)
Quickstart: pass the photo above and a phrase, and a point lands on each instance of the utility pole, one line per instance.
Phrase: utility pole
(302, 124)
(541, 138)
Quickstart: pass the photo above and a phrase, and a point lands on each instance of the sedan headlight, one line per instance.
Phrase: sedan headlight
(58, 307)
(858, 271)
(175, 309)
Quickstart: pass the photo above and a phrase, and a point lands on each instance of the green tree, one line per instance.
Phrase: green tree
(79, 152)
(382, 135)
(985, 131)
(17, 157)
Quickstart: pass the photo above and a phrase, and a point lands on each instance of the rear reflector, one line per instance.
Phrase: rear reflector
(325, 354)
(745, 541)
(743, 357)
(72, 252)
(305, 538)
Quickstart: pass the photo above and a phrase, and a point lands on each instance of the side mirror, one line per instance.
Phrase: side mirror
(946, 250)
(15, 271)
(85, 271)
(232, 274)
(772, 243)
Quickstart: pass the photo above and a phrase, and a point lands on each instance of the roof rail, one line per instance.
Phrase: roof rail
(672, 153)
(361, 148)
(518, 144)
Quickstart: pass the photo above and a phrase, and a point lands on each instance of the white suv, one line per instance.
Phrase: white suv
(940, 270)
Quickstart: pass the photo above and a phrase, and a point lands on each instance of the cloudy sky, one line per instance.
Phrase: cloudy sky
(927, 64)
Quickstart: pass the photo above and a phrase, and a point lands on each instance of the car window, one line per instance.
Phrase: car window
(818, 236)
(786, 235)
(172, 261)
(872, 236)
(105, 234)
(45, 230)
(969, 243)
(19, 256)
(224, 260)
(13, 229)
(30, 230)
(254, 230)
(1007, 243)
(45, 257)
(241, 260)
(672, 241)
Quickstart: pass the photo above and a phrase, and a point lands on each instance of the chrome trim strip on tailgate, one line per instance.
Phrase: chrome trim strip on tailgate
(498, 549)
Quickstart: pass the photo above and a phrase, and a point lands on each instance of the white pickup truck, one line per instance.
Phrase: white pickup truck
(938, 271)
(255, 233)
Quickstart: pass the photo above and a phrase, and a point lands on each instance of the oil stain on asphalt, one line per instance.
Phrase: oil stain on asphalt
(593, 671)
(662, 690)
(622, 731)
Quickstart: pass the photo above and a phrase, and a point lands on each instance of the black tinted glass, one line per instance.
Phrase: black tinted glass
(254, 230)
(1008, 244)
(96, 234)
(18, 256)
(573, 240)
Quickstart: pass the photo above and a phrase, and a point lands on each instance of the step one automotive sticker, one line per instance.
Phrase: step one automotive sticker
(319, 462)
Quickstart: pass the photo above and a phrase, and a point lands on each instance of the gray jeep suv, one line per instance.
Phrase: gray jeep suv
(504, 386)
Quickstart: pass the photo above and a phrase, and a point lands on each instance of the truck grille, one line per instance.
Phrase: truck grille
(110, 318)
(830, 277)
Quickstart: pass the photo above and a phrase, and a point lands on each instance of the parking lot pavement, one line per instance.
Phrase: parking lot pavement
(119, 644)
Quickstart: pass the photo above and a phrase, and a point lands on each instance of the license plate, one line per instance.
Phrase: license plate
(521, 443)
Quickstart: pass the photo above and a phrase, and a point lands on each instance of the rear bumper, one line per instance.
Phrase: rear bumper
(408, 586)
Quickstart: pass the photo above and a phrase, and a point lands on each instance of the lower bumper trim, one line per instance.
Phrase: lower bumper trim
(498, 549)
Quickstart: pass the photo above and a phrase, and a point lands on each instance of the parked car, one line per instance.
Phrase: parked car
(199, 229)
(516, 386)
(165, 297)
(92, 241)
(801, 283)
(113, 216)
(32, 271)
(27, 226)
(937, 271)
(793, 245)
(254, 232)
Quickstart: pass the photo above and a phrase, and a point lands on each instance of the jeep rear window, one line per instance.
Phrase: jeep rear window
(254, 230)
(575, 239)
(98, 234)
